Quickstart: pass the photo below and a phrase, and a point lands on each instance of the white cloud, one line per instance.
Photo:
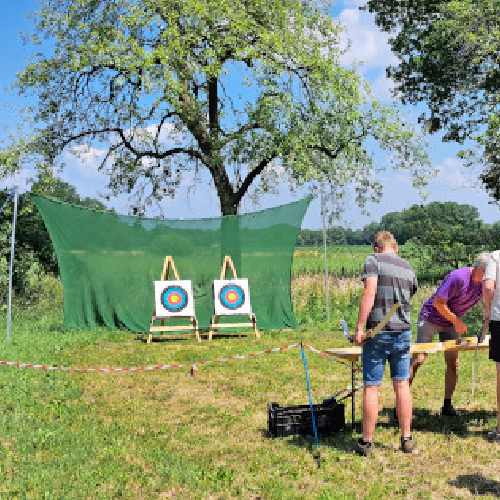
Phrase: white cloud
(20, 179)
(368, 43)
(354, 3)
(382, 88)
(451, 175)
(86, 160)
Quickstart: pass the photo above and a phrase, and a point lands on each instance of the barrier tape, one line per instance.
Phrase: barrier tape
(194, 366)
(144, 368)
(330, 357)
(268, 351)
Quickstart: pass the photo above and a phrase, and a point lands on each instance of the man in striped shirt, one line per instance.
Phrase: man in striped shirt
(388, 279)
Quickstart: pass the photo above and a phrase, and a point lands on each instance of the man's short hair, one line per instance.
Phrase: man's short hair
(385, 240)
(482, 260)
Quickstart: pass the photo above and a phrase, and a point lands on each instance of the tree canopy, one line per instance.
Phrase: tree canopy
(251, 91)
(436, 224)
(449, 59)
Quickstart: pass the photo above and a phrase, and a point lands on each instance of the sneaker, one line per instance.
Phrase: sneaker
(407, 444)
(363, 448)
(449, 411)
(494, 436)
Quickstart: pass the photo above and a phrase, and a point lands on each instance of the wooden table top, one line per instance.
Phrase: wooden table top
(461, 344)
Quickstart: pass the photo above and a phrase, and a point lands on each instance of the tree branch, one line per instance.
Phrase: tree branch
(252, 176)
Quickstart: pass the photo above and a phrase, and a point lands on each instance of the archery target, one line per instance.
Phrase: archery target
(174, 298)
(232, 297)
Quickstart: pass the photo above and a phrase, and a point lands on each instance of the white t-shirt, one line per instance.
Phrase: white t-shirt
(492, 272)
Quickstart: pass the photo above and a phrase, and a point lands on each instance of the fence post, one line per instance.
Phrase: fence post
(327, 298)
(11, 267)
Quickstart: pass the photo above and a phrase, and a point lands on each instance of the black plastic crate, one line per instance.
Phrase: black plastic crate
(290, 420)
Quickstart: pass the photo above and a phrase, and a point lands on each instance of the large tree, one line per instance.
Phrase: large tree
(449, 53)
(251, 90)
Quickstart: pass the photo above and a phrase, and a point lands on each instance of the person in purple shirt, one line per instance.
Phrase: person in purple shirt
(460, 291)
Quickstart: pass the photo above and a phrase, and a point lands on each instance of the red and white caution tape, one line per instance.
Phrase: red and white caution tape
(70, 368)
(275, 349)
(144, 368)
(194, 366)
(328, 356)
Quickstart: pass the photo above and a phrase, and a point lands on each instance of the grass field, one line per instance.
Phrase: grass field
(343, 260)
(165, 435)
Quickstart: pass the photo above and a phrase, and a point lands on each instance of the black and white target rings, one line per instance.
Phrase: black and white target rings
(174, 298)
(232, 297)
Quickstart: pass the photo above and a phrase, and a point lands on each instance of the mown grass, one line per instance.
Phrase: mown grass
(165, 435)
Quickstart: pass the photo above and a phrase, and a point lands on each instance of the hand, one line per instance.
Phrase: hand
(460, 327)
(359, 337)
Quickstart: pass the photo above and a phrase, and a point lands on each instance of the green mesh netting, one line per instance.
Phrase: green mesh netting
(108, 262)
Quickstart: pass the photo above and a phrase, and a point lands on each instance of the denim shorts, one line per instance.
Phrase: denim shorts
(392, 347)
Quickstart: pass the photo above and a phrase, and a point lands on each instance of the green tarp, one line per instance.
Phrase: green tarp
(108, 262)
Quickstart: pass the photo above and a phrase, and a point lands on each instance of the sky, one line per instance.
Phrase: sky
(368, 46)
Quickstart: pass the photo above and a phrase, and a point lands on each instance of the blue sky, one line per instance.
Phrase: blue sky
(453, 182)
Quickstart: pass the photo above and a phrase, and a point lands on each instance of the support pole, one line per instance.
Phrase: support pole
(9, 304)
(327, 295)
(353, 405)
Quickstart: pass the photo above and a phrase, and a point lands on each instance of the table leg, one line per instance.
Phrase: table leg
(353, 383)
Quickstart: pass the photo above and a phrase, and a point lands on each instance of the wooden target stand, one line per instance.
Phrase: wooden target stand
(214, 323)
(169, 263)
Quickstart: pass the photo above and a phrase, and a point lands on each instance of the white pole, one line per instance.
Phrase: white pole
(9, 306)
(327, 298)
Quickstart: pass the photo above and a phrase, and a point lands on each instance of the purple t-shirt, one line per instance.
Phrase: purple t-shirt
(460, 292)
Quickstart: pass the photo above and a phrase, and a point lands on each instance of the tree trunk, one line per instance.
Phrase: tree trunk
(231, 241)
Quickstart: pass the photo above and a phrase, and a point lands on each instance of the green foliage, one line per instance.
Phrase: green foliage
(343, 260)
(35, 262)
(336, 235)
(448, 52)
(430, 224)
(446, 236)
(178, 86)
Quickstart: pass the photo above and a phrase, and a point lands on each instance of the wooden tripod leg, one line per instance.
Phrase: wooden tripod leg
(194, 322)
(212, 329)
(254, 322)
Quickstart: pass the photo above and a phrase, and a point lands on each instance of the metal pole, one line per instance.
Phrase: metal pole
(353, 405)
(327, 295)
(311, 404)
(9, 304)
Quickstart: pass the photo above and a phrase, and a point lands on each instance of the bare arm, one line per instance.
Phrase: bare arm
(488, 291)
(442, 308)
(365, 307)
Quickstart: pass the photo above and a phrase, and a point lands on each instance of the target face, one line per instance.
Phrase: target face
(174, 298)
(232, 297)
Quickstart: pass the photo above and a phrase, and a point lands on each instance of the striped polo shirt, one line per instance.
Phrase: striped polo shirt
(396, 282)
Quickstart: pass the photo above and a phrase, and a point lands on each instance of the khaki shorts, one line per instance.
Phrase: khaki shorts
(426, 332)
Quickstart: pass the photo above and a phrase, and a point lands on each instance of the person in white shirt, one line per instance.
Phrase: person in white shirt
(491, 295)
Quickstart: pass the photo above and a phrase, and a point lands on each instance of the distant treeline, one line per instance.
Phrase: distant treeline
(442, 219)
